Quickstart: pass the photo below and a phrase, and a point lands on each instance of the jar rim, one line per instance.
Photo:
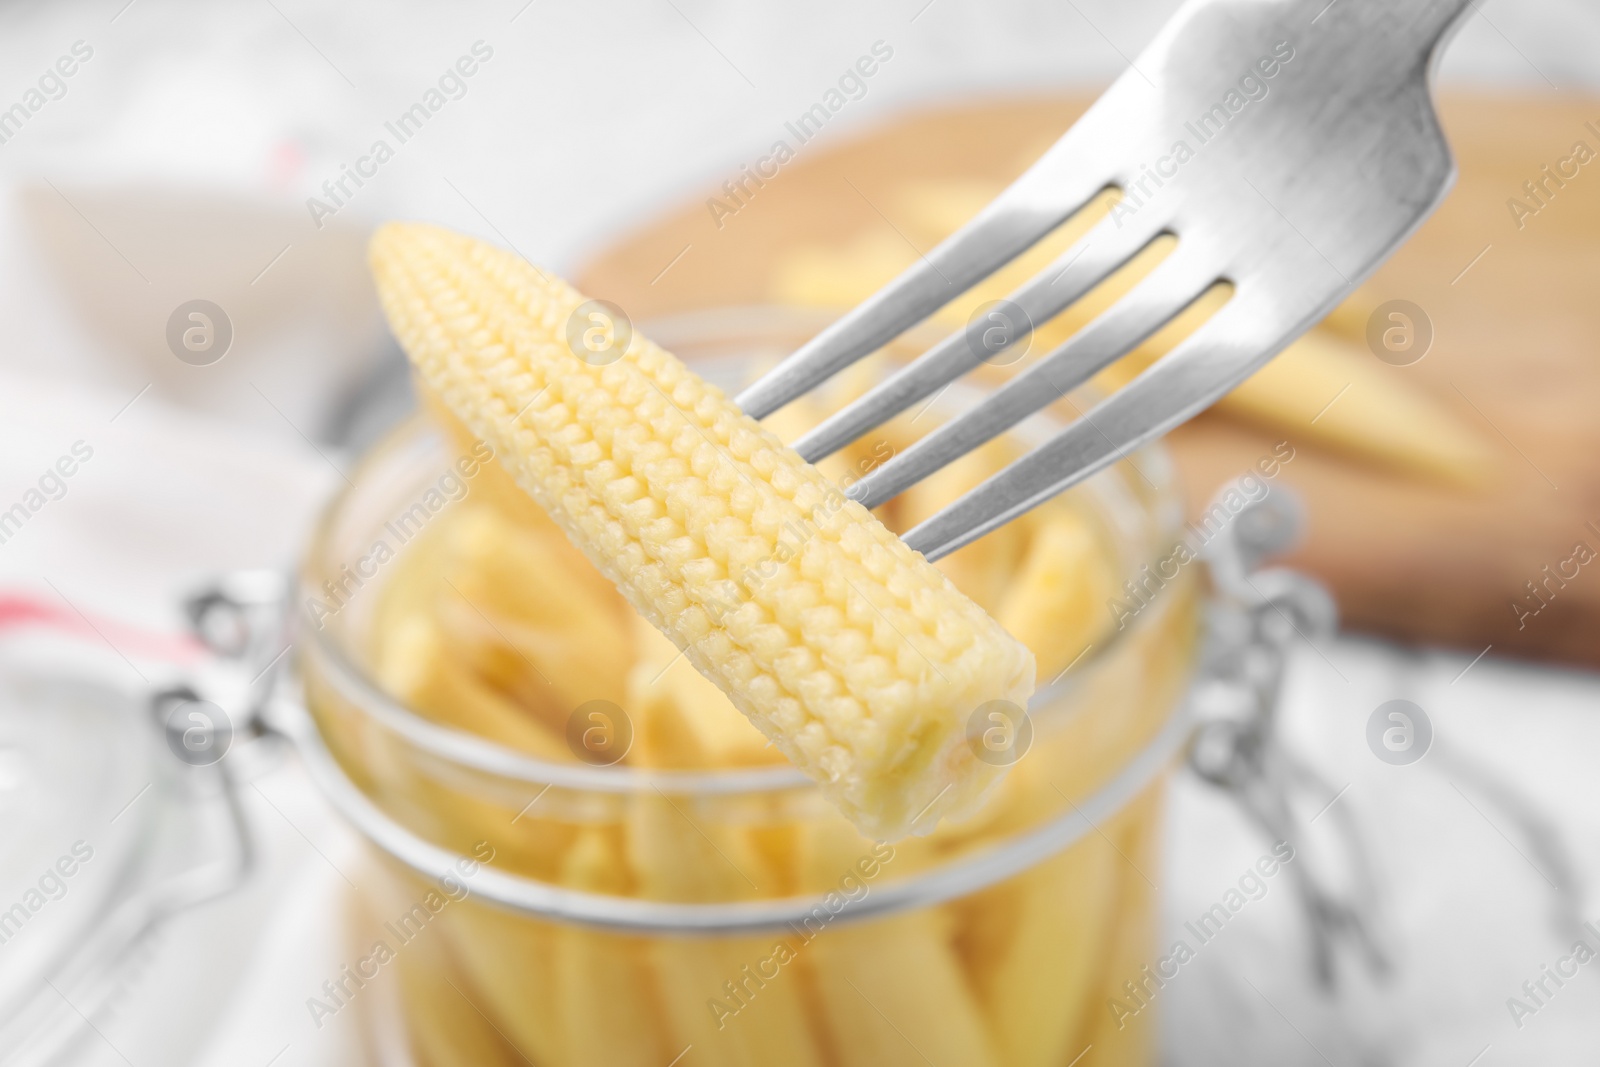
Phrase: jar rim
(957, 878)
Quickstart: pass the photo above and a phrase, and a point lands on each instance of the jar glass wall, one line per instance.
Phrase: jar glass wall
(551, 911)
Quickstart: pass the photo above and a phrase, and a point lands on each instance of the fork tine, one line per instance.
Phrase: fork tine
(1207, 365)
(997, 235)
(1173, 286)
(1101, 251)
(1049, 192)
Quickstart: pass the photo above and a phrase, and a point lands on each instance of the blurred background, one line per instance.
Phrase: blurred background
(194, 154)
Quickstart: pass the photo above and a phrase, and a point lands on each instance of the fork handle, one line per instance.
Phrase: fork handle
(1424, 24)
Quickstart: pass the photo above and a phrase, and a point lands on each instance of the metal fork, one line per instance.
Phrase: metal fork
(1311, 151)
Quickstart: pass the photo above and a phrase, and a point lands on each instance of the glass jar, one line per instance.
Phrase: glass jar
(560, 913)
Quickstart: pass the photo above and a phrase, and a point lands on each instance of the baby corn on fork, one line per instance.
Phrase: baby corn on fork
(852, 653)
(1288, 145)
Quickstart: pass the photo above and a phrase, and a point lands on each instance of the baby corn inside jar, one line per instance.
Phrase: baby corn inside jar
(674, 755)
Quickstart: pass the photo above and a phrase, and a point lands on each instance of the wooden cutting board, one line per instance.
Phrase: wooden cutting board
(1515, 312)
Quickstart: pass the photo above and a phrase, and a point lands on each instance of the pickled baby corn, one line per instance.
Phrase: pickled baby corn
(554, 650)
(682, 721)
(710, 994)
(453, 1032)
(517, 986)
(851, 652)
(418, 664)
(1047, 938)
(891, 990)
(1055, 598)
(1115, 1036)
(603, 987)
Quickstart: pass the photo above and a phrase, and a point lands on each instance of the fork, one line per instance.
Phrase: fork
(1326, 156)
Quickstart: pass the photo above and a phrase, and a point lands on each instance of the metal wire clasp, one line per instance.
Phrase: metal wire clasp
(1254, 615)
